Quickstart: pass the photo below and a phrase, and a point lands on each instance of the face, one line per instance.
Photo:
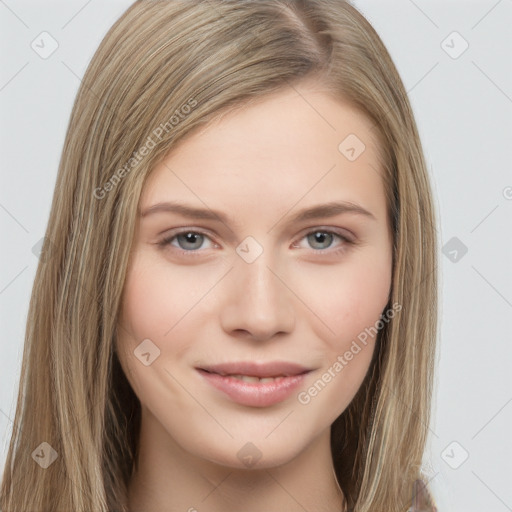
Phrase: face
(247, 332)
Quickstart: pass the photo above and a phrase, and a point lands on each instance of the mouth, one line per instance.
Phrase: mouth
(255, 384)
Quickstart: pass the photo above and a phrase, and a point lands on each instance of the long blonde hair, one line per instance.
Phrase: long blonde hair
(165, 68)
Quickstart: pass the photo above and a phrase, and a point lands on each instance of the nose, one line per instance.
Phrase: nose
(258, 302)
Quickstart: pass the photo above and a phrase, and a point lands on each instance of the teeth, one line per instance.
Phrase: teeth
(248, 378)
(251, 378)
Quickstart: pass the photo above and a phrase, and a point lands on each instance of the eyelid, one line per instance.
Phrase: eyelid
(341, 232)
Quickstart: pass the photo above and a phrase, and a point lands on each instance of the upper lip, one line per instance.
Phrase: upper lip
(256, 369)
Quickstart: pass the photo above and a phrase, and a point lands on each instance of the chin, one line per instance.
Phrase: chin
(250, 455)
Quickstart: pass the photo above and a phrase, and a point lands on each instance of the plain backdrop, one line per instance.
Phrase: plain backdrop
(455, 58)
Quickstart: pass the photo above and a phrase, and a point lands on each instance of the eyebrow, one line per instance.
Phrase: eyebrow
(330, 209)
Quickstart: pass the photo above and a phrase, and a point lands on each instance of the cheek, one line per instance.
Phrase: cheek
(152, 307)
(348, 298)
(352, 308)
(158, 304)
(155, 301)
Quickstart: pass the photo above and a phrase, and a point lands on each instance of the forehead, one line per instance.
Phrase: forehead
(299, 144)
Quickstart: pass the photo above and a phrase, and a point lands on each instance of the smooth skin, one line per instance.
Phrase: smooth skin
(304, 299)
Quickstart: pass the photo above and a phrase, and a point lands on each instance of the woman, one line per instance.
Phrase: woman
(264, 364)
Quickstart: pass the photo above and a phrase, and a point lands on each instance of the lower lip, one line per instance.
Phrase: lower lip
(254, 394)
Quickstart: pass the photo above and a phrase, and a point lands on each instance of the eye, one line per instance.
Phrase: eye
(188, 241)
(322, 239)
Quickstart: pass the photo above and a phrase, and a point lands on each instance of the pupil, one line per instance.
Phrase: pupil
(191, 238)
(319, 236)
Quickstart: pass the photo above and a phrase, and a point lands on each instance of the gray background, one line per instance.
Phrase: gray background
(463, 104)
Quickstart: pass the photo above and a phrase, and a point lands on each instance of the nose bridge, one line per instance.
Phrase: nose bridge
(260, 283)
(258, 301)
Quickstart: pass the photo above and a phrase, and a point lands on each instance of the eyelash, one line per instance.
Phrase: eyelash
(166, 242)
